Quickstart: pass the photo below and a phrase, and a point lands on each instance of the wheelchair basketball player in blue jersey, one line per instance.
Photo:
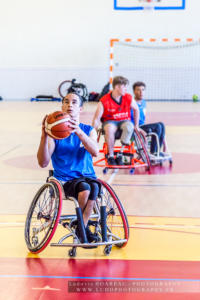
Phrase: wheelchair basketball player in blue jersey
(72, 160)
(157, 128)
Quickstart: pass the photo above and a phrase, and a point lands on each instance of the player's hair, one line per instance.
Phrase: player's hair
(77, 94)
(119, 80)
(138, 83)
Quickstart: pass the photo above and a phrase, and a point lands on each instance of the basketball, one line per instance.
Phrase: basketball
(57, 125)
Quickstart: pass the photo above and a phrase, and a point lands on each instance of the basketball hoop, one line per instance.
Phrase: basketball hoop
(156, 5)
(149, 5)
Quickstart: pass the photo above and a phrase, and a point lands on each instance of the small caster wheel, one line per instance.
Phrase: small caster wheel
(105, 171)
(107, 250)
(72, 252)
(132, 171)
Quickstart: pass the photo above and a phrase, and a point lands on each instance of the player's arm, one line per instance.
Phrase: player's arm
(135, 113)
(97, 116)
(89, 142)
(46, 148)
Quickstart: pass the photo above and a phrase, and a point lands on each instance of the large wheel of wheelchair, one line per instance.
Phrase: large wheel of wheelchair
(71, 85)
(117, 222)
(43, 217)
(141, 149)
(63, 87)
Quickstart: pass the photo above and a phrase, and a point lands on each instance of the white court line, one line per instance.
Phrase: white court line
(112, 176)
(12, 224)
(12, 149)
(22, 182)
(17, 224)
(166, 226)
(42, 182)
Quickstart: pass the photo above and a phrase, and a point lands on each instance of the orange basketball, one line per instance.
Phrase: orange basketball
(57, 125)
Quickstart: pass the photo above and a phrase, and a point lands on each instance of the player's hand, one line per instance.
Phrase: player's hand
(44, 134)
(74, 124)
(144, 135)
(142, 132)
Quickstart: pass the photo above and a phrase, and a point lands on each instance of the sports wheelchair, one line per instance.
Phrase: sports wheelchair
(108, 220)
(157, 158)
(135, 155)
(67, 86)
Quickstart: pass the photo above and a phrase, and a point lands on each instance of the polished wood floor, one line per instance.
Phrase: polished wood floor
(162, 207)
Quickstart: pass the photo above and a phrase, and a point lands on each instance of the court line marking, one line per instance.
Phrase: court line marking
(168, 230)
(99, 278)
(12, 149)
(114, 184)
(156, 185)
(23, 182)
(112, 176)
(134, 225)
(46, 288)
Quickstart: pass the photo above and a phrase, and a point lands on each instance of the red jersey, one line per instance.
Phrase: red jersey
(116, 111)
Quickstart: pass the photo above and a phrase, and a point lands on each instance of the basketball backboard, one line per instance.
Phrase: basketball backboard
(145, 4)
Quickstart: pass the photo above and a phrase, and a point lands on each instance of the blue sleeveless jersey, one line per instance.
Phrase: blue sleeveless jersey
(70, 159)
(141, 107)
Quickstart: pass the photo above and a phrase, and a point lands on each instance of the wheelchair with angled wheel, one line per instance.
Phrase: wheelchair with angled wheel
(162, 153)
(135, 154)
(67, 86)
(108, 220)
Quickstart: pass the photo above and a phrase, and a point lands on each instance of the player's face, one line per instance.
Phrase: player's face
(139, 92)
(122, 89)
(71, 105)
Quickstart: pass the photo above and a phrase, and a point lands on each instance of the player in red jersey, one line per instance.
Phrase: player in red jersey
(113, 110)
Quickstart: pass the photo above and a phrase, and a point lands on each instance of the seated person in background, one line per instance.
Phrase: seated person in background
(113, 110)
(158, 128)
(72, 159)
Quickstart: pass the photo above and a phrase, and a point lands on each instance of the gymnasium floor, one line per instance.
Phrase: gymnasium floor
(162, 258)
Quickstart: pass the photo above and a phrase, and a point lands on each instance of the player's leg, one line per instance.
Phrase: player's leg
(127, 128)
(94, 191)
(82, 190)
(162, 136)
(110, 129)
(156, 128)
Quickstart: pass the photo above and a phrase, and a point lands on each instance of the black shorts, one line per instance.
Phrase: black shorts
(77, 185)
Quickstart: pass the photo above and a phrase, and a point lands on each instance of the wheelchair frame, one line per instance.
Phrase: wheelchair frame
(157, 158)
(136, 151)
(44, 215)
(67, 85)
